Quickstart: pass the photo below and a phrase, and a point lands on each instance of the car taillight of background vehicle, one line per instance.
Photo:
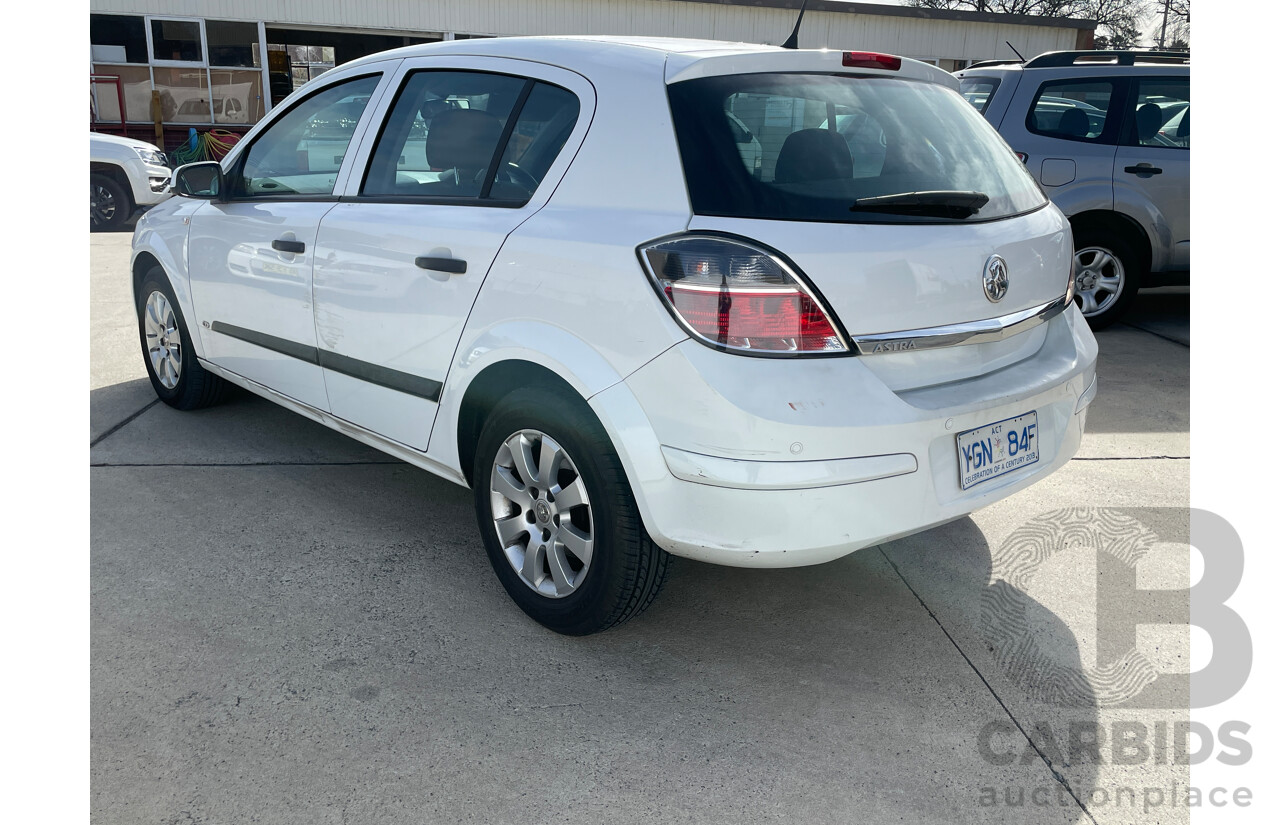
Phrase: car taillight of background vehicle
(731, 295)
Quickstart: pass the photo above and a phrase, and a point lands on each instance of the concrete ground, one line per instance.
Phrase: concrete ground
(289, 627)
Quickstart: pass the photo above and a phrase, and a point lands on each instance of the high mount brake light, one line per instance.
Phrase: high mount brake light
(734, 296)
(872, 60)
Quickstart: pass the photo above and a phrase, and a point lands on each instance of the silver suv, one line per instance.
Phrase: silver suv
(1108, 136)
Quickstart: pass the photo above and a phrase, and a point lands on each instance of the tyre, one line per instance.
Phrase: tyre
(109, 204)
(558, 517)
(172, 366)
(1108, 271)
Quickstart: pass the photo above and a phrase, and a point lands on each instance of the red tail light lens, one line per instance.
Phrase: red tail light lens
(872, 60)
(731, 295)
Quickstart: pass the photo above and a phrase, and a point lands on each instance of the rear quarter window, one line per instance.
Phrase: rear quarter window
(979, 91)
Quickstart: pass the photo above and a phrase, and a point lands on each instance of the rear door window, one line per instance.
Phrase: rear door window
(447, 128)
(1161, 113)
(793, 146)
(1072, 110)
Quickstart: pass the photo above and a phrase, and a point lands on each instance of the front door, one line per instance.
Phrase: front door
(464, 156)
(251, 255)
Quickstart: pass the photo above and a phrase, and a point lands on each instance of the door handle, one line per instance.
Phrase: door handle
(296, 247)
(451, 265)
(1143, 169)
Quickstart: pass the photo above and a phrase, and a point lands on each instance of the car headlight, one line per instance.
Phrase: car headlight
(153, 156)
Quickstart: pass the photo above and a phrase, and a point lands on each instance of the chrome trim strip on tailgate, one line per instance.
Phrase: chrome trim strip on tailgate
(951, 335)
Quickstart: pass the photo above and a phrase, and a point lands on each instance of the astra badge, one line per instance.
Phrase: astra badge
(995, 278)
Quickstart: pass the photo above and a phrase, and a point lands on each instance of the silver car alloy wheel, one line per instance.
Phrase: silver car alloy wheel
(102, 205)
(542, 513)
(164, 341)
(1099, 280)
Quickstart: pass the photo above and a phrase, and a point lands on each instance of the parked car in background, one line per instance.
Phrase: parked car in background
(124, 174)
(1108, 136)
(631, 332)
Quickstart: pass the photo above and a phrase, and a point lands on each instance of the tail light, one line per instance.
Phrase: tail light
(1022, 156)
(732, 295)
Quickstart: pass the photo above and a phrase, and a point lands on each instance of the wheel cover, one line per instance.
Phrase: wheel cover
(542, 515)
(164, 341)
(102, 205)
(1099, 280)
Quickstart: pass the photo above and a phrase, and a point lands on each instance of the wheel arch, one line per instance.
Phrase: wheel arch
(117, 174)
(487, 389)
(1103, 220)
(148, 255)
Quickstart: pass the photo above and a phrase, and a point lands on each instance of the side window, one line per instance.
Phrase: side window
(300, 153)
(1072, 109)
(445, 130)
(1162, 113)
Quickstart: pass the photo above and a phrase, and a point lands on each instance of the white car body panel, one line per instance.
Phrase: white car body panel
(766, 462)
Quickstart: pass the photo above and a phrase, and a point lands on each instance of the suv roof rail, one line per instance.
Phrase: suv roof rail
(1106, 58)
(982, 64)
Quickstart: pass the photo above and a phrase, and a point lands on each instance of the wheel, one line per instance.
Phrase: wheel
(109, 204)
(172, 366)
(558, 517)
(1108, 271)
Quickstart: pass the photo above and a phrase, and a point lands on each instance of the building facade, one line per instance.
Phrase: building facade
(222, 64)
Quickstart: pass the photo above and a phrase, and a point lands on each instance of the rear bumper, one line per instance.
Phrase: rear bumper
(766, 463)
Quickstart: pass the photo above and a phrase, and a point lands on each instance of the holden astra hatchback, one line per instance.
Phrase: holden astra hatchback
(547, 270)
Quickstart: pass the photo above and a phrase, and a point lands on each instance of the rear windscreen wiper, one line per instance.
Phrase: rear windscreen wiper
(944, 203)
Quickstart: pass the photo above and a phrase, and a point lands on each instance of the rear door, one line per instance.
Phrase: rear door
(1153, 165)
(251, 255)
(467, 150)
(1069, 128)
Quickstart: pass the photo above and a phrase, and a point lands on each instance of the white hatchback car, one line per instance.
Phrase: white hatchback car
(541, 268)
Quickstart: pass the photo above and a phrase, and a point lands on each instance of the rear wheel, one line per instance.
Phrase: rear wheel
(109, 204)
(1107, 272)
(172, 366)
(558, 517)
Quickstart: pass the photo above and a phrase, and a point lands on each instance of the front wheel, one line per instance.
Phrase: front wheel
(558, 517)
(1107, 273)
(109, 204)
(172, 366)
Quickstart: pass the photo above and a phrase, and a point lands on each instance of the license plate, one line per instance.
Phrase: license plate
(995, 449)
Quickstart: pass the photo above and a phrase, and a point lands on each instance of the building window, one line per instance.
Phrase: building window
(184, 94)
(237, 96)
(118, 38)
(176, 40)
(232, 44)
(135, 83)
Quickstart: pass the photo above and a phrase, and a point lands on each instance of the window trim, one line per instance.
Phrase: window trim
(1109, 136)
(237, 166)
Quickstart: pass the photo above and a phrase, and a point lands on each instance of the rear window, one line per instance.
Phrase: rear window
(787, 146)
(978, 91)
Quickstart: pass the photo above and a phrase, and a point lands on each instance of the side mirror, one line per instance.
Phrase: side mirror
(199, 180)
